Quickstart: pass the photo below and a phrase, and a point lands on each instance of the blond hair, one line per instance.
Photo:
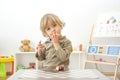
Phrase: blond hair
(49, 18)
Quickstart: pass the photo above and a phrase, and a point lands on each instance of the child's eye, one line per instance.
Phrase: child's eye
(54, 25)
(48, 29)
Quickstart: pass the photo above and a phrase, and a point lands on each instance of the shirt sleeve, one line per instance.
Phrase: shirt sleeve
(41, 56)
(63, 53)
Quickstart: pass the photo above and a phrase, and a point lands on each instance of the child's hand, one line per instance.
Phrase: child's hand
(55, 37)
(60, 68)
(40, 47)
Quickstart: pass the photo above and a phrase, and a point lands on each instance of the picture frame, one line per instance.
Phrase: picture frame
(92, 49)
(107, 25)
(113, 50)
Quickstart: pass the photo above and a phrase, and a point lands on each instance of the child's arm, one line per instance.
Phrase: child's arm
(39, 48)
(39, 54)
(63, 52)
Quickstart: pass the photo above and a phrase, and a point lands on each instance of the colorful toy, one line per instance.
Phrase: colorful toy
(2, 70)
(19, 67)
(32, 65)
(7, 59)
(100, 49)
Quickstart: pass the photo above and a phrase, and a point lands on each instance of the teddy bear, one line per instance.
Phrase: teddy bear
(25, 47)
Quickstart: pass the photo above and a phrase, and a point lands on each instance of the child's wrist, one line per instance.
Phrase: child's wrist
(39, 53)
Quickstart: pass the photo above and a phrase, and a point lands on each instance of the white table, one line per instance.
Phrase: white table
(88, 74)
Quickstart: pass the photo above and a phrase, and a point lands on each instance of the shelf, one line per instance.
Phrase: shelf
(101, 62)
(77, 52)
(98, 47)
(24, 59)
(103, 55)
(25, 52)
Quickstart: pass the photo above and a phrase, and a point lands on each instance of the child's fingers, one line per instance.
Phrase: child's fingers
(39, 45)
(60, 68)
(40, 42)
(57, 68)
(53, 33)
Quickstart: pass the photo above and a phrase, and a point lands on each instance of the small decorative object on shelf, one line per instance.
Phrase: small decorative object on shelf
(74, 48)
(20, 67)
(32, 65)
(80, 47)
(25, 47)
(100, 49)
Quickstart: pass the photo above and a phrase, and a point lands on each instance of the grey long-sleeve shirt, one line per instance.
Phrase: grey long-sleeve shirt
(50, 58)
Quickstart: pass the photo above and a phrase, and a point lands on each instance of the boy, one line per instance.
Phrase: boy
(55, 52)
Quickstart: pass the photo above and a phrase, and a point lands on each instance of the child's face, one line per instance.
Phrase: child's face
(53, 29)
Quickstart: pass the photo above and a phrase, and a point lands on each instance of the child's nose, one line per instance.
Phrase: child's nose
(53, 29)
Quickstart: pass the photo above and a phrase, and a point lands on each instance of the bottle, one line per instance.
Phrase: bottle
(80, 47)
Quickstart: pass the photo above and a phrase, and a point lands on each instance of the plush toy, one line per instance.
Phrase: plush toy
(20, 67)
(25, 46)
(32, 65)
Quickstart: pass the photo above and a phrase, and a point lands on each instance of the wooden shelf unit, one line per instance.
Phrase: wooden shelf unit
(107, 51)
(95, 61)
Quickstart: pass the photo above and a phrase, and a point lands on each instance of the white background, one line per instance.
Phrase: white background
(20, 19)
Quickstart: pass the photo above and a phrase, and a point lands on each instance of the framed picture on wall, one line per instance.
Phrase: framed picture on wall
(107, 25)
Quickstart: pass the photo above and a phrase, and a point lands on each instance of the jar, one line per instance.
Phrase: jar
(80, 47)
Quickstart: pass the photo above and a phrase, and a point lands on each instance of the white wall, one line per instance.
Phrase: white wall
(19, 19)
